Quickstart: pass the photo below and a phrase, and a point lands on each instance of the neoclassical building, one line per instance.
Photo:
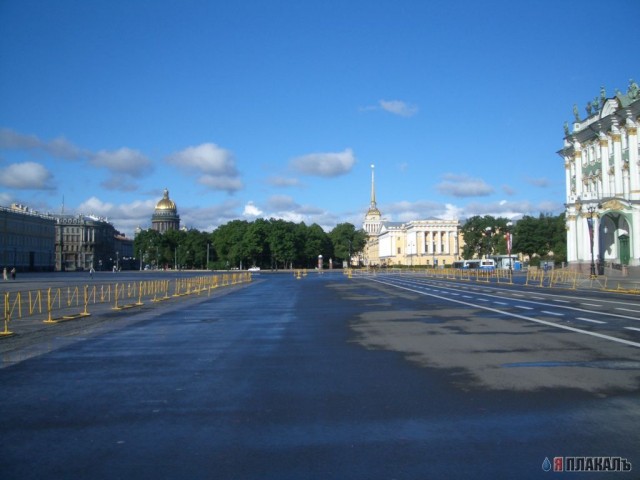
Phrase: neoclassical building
(602, 173)
(165, 217)
(431, 242)
(27, 239)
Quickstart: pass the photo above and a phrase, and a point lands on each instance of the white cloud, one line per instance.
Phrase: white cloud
(250, 210)
(398, 107)
(120, 183)
(277, 181)
(281, 202)
(59, 147)
(538, 182)
(215, 166)
(325, 164)
(222, 183)
(207, 158)
(463, 186)
(124, 160)
(26, 175)
(451, 211)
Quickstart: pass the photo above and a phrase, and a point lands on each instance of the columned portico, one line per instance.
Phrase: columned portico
(418, 242)
(602, 181)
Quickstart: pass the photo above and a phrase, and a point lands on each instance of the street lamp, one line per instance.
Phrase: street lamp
(508, 238)
(488, 231)
(591, 210)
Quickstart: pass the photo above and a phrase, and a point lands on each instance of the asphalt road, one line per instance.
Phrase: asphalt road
(329, 377)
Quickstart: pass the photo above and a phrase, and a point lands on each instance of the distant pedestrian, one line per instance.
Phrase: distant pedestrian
(91, 270)
(4, 274)
(13, 273)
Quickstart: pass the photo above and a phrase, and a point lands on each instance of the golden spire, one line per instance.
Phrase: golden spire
(373, 189)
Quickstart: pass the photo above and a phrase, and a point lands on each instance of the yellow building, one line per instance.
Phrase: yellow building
(431, 242)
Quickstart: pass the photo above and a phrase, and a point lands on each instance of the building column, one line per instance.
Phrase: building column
(567, 177)
(577, 160)
(572, 254)
(617, 162)
(634, 169)
(604, 166)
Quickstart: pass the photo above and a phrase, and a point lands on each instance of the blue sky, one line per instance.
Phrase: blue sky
(249, 109)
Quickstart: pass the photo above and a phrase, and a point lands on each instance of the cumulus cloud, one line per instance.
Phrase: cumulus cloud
(513, 210)
(398, 107)
(59, 147)
(277, 181)
(25, 176)
(250, 210)
(405, 211)
(325, 164)
(538, 182)
(124, 160)
(222, 183)
(463, 186)
(281, 202)
(121, 183)
(207, 158)
(215, 166)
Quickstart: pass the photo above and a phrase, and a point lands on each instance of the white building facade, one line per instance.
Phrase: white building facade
(602, 175)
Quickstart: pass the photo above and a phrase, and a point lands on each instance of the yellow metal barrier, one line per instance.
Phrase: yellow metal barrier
(7, 317)
(66, 303)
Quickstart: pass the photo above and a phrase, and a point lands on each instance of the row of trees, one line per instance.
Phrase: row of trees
(278, 243)
(544, 237)
(263, 243)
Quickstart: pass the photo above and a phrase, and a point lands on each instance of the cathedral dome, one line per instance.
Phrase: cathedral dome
(166, 203)
(165, 217)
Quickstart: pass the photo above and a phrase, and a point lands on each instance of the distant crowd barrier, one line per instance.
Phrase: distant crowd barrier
(535, 277)
(66, 303)
(478, 275)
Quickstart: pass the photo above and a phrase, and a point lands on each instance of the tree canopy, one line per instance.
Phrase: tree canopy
(540, 237)
(273, 243)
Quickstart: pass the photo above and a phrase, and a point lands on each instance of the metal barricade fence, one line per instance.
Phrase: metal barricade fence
(66, 303)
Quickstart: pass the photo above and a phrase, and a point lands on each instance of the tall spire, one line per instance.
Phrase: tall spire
(373, 189)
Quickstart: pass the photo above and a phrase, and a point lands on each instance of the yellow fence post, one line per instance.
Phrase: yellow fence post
(86, 300)
(115, 305)
(7, 316)
(140, 294)
(49, 308)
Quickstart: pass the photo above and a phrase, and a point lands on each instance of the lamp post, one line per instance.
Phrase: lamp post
(508, 238)
(591, 210)
(488, 231)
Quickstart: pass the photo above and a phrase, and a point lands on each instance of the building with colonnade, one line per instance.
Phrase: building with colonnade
(430, 242)
(602, 175)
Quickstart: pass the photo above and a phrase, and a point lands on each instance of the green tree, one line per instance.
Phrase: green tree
(347, 240)
(316, 242)
(539, 237)
(147, 244)
(282, 243)
(228, 242)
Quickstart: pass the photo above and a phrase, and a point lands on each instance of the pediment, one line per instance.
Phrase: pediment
(614, 205)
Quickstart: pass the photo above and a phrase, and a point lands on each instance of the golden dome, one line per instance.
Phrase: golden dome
(166, 203)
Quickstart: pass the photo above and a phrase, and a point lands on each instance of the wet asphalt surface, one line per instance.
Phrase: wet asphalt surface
(271, 382)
